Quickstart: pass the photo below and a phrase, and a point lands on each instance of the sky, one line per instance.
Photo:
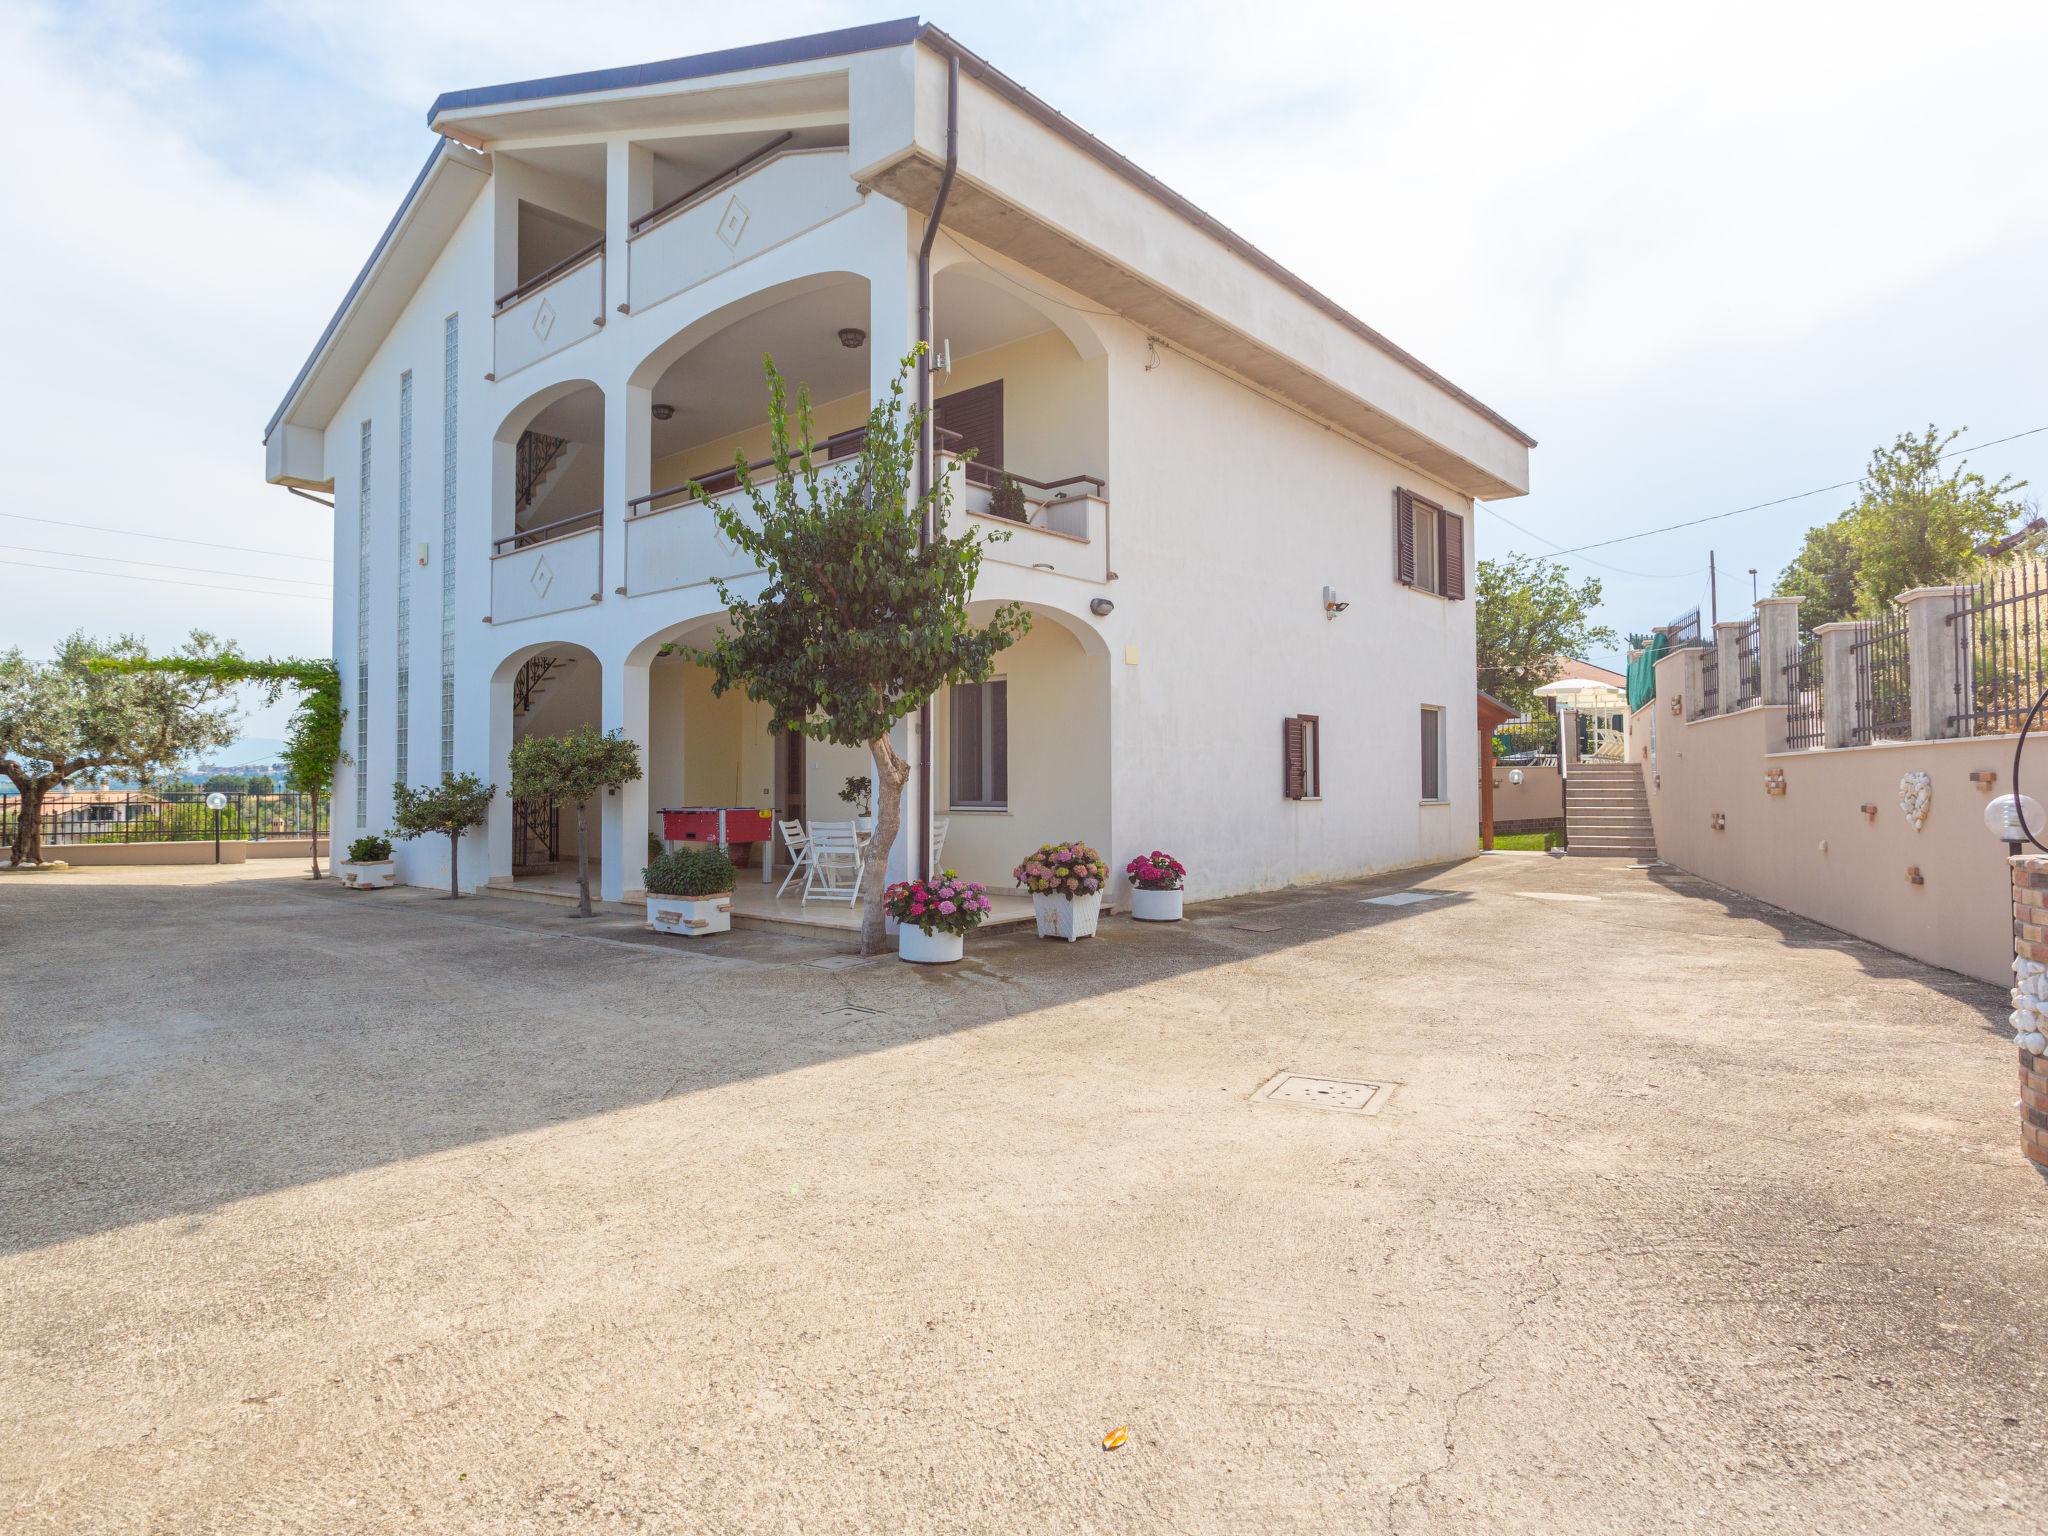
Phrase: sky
(1707, 256)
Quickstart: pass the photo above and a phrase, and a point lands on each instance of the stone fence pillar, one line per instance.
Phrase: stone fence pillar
(1931, 646)
(1728, 646)
(1692, 687)
(1838, 680)
(2030, 999)
(1777, 621)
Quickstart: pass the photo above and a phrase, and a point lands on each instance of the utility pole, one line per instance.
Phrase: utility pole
(1752, 586)
(1713, 592)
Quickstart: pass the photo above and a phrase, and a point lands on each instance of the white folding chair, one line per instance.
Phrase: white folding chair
(835, 866)
(939, 825)
(798, 842)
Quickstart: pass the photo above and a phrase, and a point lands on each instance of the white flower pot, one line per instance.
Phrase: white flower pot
(367, 877)
(921, 948)
(691, 917)
(864, 825)
(1156, 906)
(1066, 917)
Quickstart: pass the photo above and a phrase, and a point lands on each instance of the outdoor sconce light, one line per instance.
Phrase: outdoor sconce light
(851, 337)
(1514, 775)
(1332, 606)
(1101, 607)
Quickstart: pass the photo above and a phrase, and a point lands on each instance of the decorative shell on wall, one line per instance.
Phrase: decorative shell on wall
(1774, 782)
(1916, 794)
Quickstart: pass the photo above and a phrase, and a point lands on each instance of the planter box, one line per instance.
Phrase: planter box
(691, 917)
(367, 877)
(1156, 906)
(1067, 917)
(921, 948)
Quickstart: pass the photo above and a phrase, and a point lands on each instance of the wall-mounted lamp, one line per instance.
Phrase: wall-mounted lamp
(1332, 605)
(663, 412)
(1514, 775)
(1101, 607)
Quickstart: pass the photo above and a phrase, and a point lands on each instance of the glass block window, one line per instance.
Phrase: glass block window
(402, 736)
(363, 634)
(450, 345)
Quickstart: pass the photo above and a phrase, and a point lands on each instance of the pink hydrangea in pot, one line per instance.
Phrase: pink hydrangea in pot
(934, 917)
(1066, 882)
(1157, 884)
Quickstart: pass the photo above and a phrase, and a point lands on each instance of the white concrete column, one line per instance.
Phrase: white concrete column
(1728, 648)
(1777, 643)
(1838, 680)
(622, 817)
(497, 861)
(1933, 660)
(628, 193)
(1567, 739)
(628, 452)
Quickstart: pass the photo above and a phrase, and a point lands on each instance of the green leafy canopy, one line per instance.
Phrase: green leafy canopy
(1915, 524)
(1529, 613)
(573, 766)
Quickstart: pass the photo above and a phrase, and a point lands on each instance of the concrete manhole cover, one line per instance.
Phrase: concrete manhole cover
(1403, 898)
(850, 1014)
(841, 962)
(1351, 1098)
(1257, 927)
(1552, 896)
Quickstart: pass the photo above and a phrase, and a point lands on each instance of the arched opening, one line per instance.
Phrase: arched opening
(547, 472)
(543, 689)
(1024, 757)
(1027, 394)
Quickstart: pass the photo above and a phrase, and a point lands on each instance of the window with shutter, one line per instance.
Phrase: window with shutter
(976, 416)
(1302, 757)
(1453, 562)
(979, 721)
(1429, 546)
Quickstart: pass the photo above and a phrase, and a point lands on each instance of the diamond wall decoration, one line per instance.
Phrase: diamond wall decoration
(542, 578)
(733, 222)
(544, 319)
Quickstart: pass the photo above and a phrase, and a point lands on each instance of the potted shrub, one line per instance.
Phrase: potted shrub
(369, 865)
(1007, 501)
(459, 802)
(1065, 881)
(689, 890)
(1156, 887)
(860, 794)
(934, 917)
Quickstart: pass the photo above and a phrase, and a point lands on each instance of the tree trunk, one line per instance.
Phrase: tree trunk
(28, 832)
(892, 773)
(454, 859)
(316, 836)
(582, 866)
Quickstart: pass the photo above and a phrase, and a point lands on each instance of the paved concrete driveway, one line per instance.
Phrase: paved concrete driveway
(338, 1213)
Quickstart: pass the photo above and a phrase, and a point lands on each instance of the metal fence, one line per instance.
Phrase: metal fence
(1884, 705)
(1750, 676)
(1710, 680)
(1684, 630)
(1524, 741)
(168, 819)
(1802, 672)
(1999, 629)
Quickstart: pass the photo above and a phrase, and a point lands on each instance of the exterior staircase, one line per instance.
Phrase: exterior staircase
(1607, 812)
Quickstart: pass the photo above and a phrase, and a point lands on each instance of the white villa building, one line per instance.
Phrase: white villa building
(1248, 548)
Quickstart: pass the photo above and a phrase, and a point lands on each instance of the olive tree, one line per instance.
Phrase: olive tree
(575, 766)
(863, 614)
(73, 718)
(460, 801)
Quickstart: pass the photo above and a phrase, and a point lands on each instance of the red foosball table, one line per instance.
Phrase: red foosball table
(726, 825)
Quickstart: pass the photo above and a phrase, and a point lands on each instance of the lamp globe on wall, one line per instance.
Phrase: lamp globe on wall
(2002, 819)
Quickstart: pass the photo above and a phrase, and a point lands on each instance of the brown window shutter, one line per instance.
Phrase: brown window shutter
(1294, 756)
(1452, 566)
(1404, 538)
(977, 416)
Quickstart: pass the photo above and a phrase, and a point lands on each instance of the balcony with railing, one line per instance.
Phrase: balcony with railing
(1060, 526)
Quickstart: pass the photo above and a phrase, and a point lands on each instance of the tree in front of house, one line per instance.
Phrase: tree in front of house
(1529, 613)
(460, 801)
(574, 768)
(1916, 523)
(70, 718)
(860, 619)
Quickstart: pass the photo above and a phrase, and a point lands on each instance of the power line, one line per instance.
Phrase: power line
(1602, 564)
(1780, 501)
(136, 533)
(203, 570)
(161, 581)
